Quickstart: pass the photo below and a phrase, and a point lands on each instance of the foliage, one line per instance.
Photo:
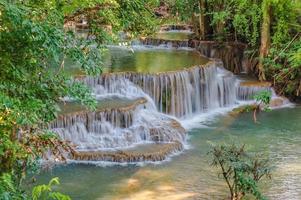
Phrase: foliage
(8, 191)
(106, 18)
(274, 46)
(240, 19)
(283, 66)
(45, 192)
(137, 16)
(182, 9)
(242, 109)
(285, 16)
(263, 98)
(33, 47)
(240, 169)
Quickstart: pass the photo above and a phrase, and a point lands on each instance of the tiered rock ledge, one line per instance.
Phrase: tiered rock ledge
(145, 152)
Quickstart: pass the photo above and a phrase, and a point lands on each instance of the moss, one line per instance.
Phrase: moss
(242, 109)
(166, 99)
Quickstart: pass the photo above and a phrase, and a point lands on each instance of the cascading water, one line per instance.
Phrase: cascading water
(170, 37)
(109, 133)
(158, 101)
(247, 91)
(119, 127)
(165, 43)
(99, 129)
(180, 93)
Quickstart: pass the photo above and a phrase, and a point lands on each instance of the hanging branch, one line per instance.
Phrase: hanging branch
(87, 10)
(288, 45)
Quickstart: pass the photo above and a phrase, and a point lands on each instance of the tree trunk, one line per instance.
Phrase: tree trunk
(265, 37)
(255, 113)
(202, 7)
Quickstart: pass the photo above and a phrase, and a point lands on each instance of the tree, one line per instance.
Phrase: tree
(33, 46)
(131, 16)
(202, 20)
(240, 169)
(283, 63)
(270, 28)
(183, 10)
(265, 37)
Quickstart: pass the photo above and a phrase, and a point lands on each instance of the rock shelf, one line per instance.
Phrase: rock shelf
(145, 152)
(117, 111)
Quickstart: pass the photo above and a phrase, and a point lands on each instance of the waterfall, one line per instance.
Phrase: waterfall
(157, 103)
(165, 43)
(95, 132)
(246, 90)
(179, 93)
(178, 27)
(118, 127)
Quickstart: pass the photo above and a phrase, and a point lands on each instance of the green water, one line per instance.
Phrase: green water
(144, 60)
(189, 175)
(174, 35)
(106, 103)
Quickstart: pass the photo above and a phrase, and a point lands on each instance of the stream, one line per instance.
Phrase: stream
(159, 109)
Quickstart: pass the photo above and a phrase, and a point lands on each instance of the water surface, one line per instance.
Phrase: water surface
(144, 60)
(111, 102)
(189, 175)
(174, 35)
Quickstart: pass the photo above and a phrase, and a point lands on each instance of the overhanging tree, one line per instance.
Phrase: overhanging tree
(33, 45)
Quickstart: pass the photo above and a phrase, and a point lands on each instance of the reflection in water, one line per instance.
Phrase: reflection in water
(144, 60)
(189, 175)
(109, 102)
(141, 186)
(174, 35)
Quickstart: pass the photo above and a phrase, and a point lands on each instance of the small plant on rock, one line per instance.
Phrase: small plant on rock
(262, 99)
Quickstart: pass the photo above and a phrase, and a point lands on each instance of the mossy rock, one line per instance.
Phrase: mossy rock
(243, 109)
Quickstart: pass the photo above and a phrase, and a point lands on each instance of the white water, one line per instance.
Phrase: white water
(103, 130)
(181, 93)
(190, 96)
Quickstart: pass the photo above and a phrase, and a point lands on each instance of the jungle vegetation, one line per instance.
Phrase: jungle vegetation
(33, 47)
(270, 28)
(35, 40)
